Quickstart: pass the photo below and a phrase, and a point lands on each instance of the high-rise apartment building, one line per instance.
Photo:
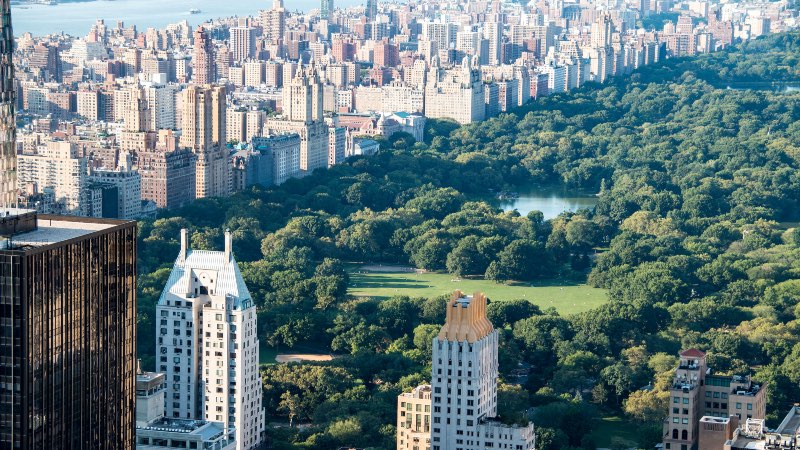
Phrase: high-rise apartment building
(456, 93)
(168, 173)
(243, 42)
(208, 344)
(326, 9)
(303, 114)
(696, 392)
(203, 58)
(371, 10)
(129, 187)
(273, 21)
(414, 419)
(58, 169)
(68, 371)
(463, 390)
(204, 131)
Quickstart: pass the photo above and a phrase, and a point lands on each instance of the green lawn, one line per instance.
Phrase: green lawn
(567, 297)
(609, 427)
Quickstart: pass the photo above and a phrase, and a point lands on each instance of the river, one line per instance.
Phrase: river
(551, 202)
(76, 18)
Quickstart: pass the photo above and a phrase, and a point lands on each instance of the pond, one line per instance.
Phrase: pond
(551, 202)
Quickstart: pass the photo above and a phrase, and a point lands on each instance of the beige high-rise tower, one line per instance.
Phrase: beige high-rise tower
(203, 58)
(204, 133)
(8, 134)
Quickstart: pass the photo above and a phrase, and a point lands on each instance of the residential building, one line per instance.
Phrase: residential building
(208, 343)
(129, 188)
(156, 432)
(464, 382)
(204, 131)
(455, 93)
(57, 168)
(168, 173)
(203, 58)
(283, 151)
(696, 392)
(414, 419)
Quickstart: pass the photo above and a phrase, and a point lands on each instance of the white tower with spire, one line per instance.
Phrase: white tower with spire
(207, 343)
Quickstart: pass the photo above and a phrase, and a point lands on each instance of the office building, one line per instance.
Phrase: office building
(463, 390)
(697, 392)
(67, 377)
(207, 343)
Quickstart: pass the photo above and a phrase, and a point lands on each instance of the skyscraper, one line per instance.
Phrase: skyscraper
(463, 390)
(302, 111)
(203, 58)
(371, 10)
(243, 42)
(68, 370)
(8, 150)
(204, 132)
(326, 9)
(208, 345)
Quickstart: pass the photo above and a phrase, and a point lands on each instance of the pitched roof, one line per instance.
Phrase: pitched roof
(693, 353)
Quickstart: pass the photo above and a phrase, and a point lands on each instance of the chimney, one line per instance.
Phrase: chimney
(228, 246)
(184, 243)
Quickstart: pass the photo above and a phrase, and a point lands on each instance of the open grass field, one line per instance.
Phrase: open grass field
(566, 297)
(611, 429)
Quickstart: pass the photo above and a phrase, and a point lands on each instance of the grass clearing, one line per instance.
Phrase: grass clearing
(567, 297)
(609, 427)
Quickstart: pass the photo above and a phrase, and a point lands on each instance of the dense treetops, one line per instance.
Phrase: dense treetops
(695, 237)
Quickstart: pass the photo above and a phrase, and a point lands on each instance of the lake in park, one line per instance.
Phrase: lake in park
(551, 202)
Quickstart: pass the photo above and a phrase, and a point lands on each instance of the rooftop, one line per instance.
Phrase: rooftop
(693, 353)
(23, 228)
(207, 431)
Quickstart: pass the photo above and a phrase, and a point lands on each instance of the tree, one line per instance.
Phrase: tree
(620, 377)
(423, 337)
(512, 404)
(507, 313)
(290, 403)
(520, 260)
(646, 406)
(582, 234)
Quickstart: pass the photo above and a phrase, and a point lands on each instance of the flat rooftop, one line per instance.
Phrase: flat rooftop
(51, 231)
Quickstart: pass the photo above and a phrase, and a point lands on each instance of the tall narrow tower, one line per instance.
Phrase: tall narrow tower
(203, 58)
(8, 151)
(325, 9)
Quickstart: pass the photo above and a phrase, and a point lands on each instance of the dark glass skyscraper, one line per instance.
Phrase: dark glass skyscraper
(67, 314)
(8, 155)
(68, 321)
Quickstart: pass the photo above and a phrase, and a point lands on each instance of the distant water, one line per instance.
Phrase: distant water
(764, 86)
(76, 18)
(550, 202)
